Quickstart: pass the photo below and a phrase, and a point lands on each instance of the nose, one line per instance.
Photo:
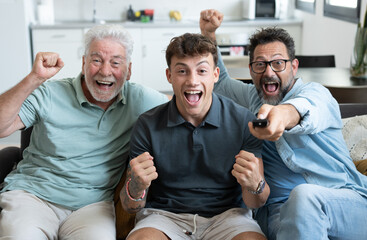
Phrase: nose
(192, 79)
(105, 69)
(268, 70)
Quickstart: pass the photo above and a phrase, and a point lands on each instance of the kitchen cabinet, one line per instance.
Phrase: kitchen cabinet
(68, 43)
(154, 43)
(136, 61)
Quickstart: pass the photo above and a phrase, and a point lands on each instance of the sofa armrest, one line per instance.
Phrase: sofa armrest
(352, 109)
(9, 156)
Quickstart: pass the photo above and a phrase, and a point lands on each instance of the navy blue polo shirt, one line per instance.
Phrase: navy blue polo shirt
(194, 164)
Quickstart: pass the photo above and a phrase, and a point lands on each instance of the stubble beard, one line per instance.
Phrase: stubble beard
(100, 95)
(273, 100)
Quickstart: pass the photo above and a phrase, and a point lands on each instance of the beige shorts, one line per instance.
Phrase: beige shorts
(226, 225)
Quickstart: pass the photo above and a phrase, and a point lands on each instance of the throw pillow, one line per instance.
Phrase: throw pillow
(361, 166)
(355, 135)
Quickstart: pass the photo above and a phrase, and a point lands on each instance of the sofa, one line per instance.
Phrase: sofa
(354, 131)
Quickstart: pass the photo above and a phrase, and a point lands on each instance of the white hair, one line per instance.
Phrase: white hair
(114, 31)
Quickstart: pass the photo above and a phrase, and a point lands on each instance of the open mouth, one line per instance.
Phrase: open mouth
(193, 96)
(104, 83)
(271, 87)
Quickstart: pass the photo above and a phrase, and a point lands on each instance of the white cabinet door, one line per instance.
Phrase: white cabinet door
(136, 58)
(154, 44)
(66, 42)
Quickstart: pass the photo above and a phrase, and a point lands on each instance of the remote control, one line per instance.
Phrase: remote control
(260, 123)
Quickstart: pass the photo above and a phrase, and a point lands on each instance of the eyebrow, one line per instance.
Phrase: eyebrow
(99, 55)
(184, 64)
(273, 56)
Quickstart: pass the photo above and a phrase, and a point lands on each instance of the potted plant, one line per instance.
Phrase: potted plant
(358, 68)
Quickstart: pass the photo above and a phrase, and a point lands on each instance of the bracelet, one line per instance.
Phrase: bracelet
(260, 188)
(130, 197)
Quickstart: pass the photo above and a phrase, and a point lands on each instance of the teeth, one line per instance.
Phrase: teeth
(193, 92)
(102, 82)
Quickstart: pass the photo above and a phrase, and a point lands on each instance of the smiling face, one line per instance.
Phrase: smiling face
(105, 69)
(192, 80)
(273, 86)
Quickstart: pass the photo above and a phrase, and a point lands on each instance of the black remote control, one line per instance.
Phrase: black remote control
(260, 123)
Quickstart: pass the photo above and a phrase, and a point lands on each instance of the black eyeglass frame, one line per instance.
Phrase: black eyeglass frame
(269, 63)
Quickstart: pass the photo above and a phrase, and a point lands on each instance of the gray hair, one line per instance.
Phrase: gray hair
(114, 31)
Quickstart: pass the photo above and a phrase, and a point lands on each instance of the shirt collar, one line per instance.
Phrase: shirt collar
(298, 83)
(213, 117)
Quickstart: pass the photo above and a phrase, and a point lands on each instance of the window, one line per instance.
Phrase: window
(306, 5)
(342, 9)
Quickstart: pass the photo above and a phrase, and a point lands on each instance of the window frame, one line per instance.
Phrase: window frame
(343, 13)
(309, 7)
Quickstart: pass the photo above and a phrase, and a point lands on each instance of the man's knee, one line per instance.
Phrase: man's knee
(303, 199)
(147, 234)
(249, 236)
(20, 231)
(304, 193)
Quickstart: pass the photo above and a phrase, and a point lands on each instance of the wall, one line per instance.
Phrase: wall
(324, 35)
(115, 10)
(15, 61)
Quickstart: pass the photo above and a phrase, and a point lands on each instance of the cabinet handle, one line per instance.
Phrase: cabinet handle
(144, 51)
(168, 34)
(59, 36)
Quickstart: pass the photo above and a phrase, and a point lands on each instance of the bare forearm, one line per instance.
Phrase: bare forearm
(130, 192)
(210, 35)
(10, 104)
(129, 205)
(255, 200)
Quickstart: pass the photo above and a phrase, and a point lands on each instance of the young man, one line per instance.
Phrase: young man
(316, 191)
(64, 186)
(195, 156)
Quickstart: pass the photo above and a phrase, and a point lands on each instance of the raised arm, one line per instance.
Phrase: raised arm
(140, 173)
(249, 172)
(210, 20)
(45, 66)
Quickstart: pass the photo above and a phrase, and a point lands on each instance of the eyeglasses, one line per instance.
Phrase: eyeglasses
(277, 65)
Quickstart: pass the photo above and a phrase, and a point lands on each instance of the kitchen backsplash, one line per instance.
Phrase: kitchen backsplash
(116, 10)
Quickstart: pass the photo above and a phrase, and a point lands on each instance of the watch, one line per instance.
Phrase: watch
(260, 187)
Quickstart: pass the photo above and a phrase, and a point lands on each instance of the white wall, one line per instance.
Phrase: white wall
(15, 60)
(324, 35)
(115, 10)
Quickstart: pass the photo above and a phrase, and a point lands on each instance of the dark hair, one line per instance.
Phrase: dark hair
(191, 44)
(269, 35)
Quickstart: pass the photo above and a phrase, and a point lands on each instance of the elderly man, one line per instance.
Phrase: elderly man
(316, 191)
(63, 187)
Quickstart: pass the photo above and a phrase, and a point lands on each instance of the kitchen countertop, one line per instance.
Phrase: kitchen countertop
(166, 23)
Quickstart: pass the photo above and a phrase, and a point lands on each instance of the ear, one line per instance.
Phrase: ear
(83, 65)
(216, 74)
(295, 64)
(128, 72)
(168, 75)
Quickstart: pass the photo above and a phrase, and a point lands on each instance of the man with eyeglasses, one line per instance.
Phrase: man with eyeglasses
(315, 190)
